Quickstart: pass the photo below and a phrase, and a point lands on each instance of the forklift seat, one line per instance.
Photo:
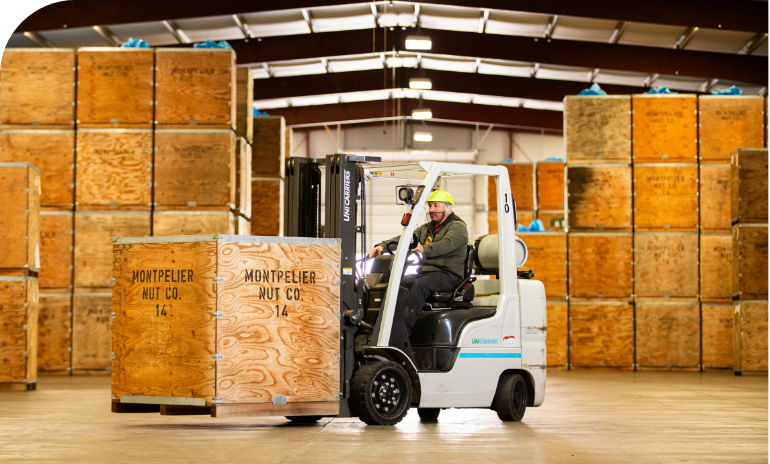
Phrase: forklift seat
(462, 296)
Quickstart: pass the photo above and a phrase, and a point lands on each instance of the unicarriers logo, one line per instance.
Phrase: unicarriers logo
(346, 209)
(484, 341)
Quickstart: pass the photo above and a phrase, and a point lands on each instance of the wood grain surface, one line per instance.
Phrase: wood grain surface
(715, 191)
(668, 335)
(522, 181)
(192, 223)
(556, 335)
(548, 260)
(93, 243)
(194, 166)
(550, 185)
(716, 267)
(749, 261)
(243, 176)
(54, 324)
(244, 108)
(266, 352)
(13, 337)
(665, 128)
(728, 123)
(666, 265)
(243, 226)
(266, 207)
(665, 198)
(749, 175)
(267, 151)
(601, 265)
(750, 336)
(115, 86)
(19, 217)
(554, 221)
(56, 248)
(717, 338)
(51, 151)
(37, 87)
(597, 129)
(601, 335)
(314, 408)
(599, 197)
(288, 140)
(522, 217)
(91, 329)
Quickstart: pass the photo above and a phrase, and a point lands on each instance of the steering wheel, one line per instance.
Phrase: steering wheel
(411, 252)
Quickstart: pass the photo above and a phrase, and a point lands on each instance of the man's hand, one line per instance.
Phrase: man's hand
(375, 251)
(418, 248)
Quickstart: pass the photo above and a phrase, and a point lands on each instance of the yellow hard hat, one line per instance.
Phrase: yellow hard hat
(441, 196)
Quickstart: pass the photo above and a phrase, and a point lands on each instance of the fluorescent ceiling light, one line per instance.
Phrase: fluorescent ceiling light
(414, 42)
(420, 84)
(401, 62)
(422, 113)
(423, 137)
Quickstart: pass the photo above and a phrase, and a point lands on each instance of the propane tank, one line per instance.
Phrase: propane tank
(486, 250)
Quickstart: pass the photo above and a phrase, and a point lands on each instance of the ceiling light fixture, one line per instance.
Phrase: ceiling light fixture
(423, 137)
(420, 83)
(414, 42)
(422, 113)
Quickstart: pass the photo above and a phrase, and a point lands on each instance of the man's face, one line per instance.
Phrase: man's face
(436, 211)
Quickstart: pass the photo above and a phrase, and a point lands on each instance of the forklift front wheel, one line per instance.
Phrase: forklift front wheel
(381, 393)
(511, 398)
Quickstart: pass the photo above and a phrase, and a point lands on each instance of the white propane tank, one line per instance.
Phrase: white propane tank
(487, 247)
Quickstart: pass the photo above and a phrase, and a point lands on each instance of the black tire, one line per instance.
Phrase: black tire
(428, 414)
(304, 419)
(511, 398)
(381, 393)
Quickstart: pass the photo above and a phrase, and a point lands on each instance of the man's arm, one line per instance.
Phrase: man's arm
(455, 237)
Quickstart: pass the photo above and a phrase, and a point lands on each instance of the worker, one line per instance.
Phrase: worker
(443, 243)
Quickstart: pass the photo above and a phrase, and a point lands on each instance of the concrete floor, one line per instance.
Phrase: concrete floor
(587, 417)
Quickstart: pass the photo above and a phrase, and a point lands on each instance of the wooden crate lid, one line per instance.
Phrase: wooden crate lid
(665, 95)
(116, 49)
(18, 165)
(604, 97)
(227, 238)
(728, 97)
(18, 130)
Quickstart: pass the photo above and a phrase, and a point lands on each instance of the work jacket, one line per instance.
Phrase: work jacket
(448, 246)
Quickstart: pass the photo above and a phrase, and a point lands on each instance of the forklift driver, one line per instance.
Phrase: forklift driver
(443, 244)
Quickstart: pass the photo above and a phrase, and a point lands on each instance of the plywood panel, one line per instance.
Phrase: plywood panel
(288, 140)
(601, 335)
(51, 151)
(665, 128)
(192, 223)
(243, 176)
(717, 323)
(114, 167)
(54, 324)
(716, 266)
(266, 207)
(56, 247)
(115, 85)
(550, 185)
(553, 220)
(268, 147)
(666, 265)
(522, 181)
(749, 261)
(244, 226)
(601, 265)
(18, 332)
(597, 129)
(37, 86)
(599, 197)
(548, 260)
(91, 329)
(556, 335)
(749, 174)
(666, 197)
(668, 335)
(728, 123)
(19, 216)
(523, 218)
(750, 336)
(244, 97)
(715, 197)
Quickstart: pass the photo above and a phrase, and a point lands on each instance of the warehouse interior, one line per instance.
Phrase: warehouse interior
(632, 139)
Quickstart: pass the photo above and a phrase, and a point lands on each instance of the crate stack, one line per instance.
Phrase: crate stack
(522, 181)
(244, 132)
(551, 198)
(267, 174)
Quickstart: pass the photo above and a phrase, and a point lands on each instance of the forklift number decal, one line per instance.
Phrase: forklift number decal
(507, 208)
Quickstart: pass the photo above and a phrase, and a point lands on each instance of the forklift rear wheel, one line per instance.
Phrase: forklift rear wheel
(511, 398)
(304, 419)
(381, 393)
(428, 414)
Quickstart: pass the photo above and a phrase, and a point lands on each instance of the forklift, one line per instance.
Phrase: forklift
(479, 346)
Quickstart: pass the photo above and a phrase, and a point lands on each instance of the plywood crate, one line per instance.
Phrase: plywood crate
(243, 176)
(668, 335)
(267, 150)
(243, 225)
(550, 185)
(749, 261)
(278, 333)
(114, 168)
(601, 265)
(729, 122)
(55, 331)
(599, 198)
(20, 216)
(715, 198)
(116, 85)
(167, 223)
(91, 331)
(547, 258)
(522, 180)
(556, 335)
(19, 300)
(288, 140)
(666, 265)
(523, 218)
(194, 167)
(94, 231)
(597, 129)
(666, 197)
(750, 337)
(266, 206)
(665, 128)
(244, 99)
(716, 266)
(749, 174)
(195, 86)
(601, 335)
(554, 221)
(51, 151)
(37, 86)
(717, 335)
(56, 248)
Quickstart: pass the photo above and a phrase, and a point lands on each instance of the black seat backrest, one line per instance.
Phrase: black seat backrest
(468, 262)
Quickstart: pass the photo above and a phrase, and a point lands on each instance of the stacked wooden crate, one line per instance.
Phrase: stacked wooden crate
(522, 181)
(551, 199)
(244, 131)
(267, 173)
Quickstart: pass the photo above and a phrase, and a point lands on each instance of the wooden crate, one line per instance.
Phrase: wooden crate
(715, 198)
(666, 197)
(668, 335)
(717, 335)
(289, 142)
(195, 167)
(167, 223)
(750, 337)
(114, 167)
(94, 231)
(665, 128)
(556, 335)
(54, 331)
(522, 179)
(554, 221)
(20, 216)
(195, 86)
(37, 86)
(19, 300)
(748, 174)
(267, 151)
(550, 185)
(548, 260)
(169, 345)
(599, 197)
(749, 261)
(51, 151)
(56, 248)
(91, 330)
(115, 85)
(522, 217)
(244, 108)
(601, 265)
(601, 335)
(243, 225)
(716, 266)
(666, 265)
(728, 123)
(266, 206)
(597, 129)
(243, 176)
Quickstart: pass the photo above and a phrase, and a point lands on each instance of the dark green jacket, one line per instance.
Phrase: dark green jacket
(448, 249)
